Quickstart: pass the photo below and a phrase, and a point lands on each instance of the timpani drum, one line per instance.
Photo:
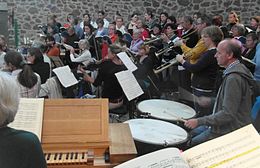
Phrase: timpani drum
(151, 135)
(166, 110)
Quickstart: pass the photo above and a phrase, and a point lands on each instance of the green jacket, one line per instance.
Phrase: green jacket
(20, 149)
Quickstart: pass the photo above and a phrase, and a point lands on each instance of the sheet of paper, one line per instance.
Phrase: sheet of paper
(165, 158)
(65, 76)
(29, 116)
(127, 61)
(240, 148)
(129, 84)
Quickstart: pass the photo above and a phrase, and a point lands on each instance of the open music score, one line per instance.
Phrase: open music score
(29, 116)
(65, 76)
(129, 84)
(240, 148)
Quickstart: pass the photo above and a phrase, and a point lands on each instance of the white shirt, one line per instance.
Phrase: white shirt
(84, 58)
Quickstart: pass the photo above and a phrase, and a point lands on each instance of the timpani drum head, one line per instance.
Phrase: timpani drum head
(166, 109)
(157, 132)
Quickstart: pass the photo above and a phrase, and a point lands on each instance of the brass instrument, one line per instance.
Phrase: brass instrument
(187, 35)
(151, 40)
(132, 56)
(164, 50)
(166, 65)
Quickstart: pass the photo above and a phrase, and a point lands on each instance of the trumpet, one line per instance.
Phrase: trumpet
(151, 40)
(165, 50)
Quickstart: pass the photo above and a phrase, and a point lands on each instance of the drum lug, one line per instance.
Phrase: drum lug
(145, 114)
(165, 143)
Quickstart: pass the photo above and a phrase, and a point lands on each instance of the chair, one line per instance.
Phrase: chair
(51, 88)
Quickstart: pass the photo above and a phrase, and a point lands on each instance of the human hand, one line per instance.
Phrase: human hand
(164, 38)
(72, 51)
(192, 123)
(178, 43)
(180, 58)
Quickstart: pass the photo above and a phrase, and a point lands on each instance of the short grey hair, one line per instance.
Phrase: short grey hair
(84, 43)
(9, 98)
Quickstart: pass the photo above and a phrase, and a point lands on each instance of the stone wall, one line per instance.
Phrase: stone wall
(30, 13)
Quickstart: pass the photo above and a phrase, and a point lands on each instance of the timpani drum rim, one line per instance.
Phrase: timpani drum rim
(149, 129)
(164, 112)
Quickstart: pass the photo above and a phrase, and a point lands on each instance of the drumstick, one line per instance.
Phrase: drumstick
(180, 119)
(177, 118)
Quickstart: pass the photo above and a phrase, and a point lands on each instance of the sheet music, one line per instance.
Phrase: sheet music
(29, 116)
(240, 148)
(166, 158)
(65, 76)
(127, 61)
(129, 84)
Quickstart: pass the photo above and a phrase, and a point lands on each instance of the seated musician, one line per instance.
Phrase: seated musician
(36, 61)
(144, 74)
(233, 102)
(205, 69)
(85, 56)
(52, 49)
(106, 75)
(29, 83)
(18, 148)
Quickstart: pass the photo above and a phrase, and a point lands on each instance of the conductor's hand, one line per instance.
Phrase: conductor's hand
(180, 58)
(192, 123)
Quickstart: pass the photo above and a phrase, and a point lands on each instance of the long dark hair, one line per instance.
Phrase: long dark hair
(36, 52)
(26, 77)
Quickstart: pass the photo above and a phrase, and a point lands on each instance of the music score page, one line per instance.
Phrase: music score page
(166, 158)
(65, 76)
(238, 149)
(29, 116)
(127, 61)
(129, 84)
